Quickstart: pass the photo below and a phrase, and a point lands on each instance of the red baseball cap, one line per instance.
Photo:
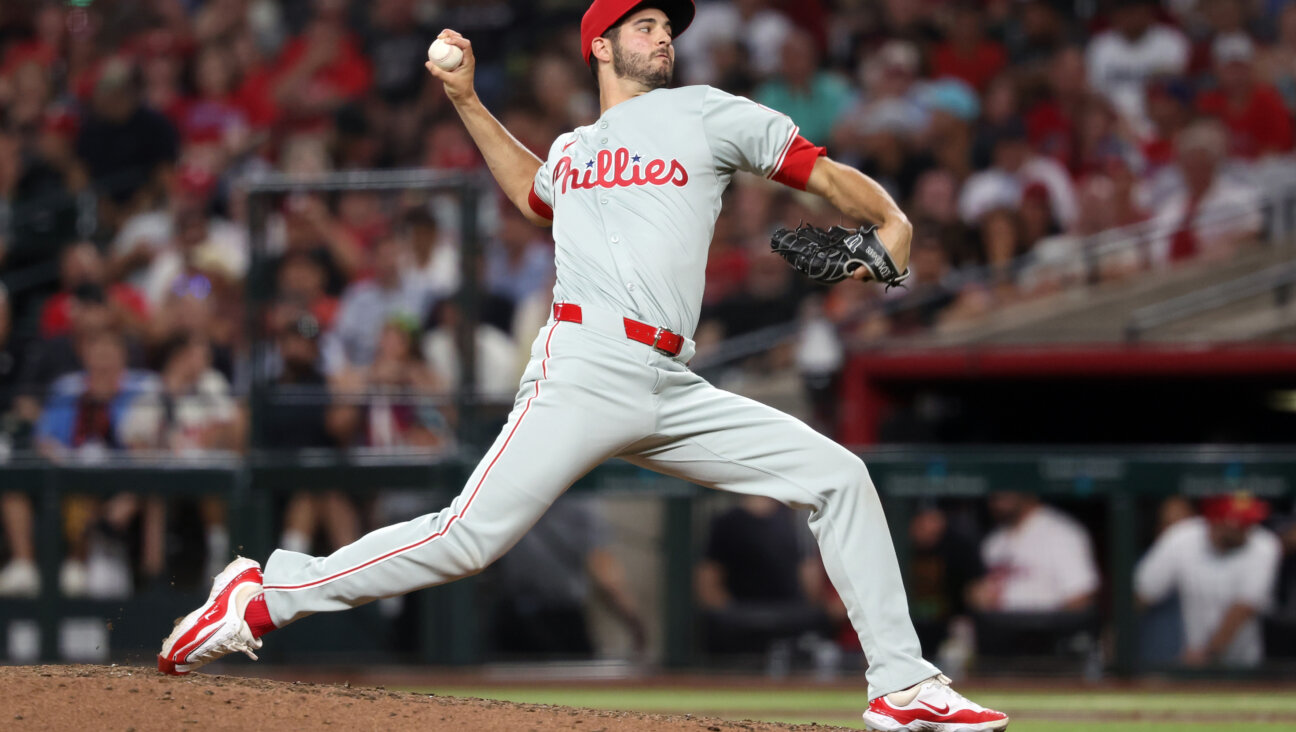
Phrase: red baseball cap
(1242, 508)
(604, 14)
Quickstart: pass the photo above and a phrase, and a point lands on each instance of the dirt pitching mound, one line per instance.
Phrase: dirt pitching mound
(140, 699)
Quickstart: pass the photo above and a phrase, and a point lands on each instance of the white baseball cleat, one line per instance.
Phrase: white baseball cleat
(931, 706)
(217, 628)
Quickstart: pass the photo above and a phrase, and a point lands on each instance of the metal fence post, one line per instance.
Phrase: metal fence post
(677, 540)
(1122, 517)
(50, 550)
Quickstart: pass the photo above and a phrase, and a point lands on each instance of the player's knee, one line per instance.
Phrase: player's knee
(846, 476)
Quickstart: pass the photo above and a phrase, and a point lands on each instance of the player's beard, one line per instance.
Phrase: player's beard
(640, 68)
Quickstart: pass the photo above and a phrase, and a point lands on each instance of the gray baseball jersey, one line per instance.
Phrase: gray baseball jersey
(634, 198)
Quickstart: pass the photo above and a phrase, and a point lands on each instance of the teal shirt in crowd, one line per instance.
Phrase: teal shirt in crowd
(815, 113)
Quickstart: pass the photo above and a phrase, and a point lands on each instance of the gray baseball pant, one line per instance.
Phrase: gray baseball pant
(589, 394)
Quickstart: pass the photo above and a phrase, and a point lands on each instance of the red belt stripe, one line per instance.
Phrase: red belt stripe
(661, 339)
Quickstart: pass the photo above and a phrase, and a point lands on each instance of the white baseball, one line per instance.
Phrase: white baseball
(444, 55)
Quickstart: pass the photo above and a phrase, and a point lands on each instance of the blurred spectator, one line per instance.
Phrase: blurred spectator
(943, 564)
(303, 284)
(125, 145)
(311, 231)
(82, 421)
(367, 305)
(1170, 106)
(1051, 120)
(496, 370)
(1014, 167)
(397, 44)
(562, 95)
(1277, 63)
(161, 69)
(966, 53)
(892, 102)
(1106, 203)
(361, 214)
(396, 412)
(928, 288)
(319, 70)
(154, 248)
(192, 413)
(520, 260)
(308, 419)
(19, 577)
(1136, 48)
(213, 115)
(545, 583)
(434, 258)
(756, 579)
(749, 24)
(1160, 632)
(1039, 559)
(1207, 214)
(1037, 34)
(814, 99)
(1259, 124)
(1038, 597)
(84, 413)
(81, 265)
(90, 316)
(1223, 567)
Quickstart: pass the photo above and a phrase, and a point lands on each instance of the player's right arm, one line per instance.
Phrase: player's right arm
(513, 166)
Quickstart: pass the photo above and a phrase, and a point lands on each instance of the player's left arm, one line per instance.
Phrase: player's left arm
(862, 198)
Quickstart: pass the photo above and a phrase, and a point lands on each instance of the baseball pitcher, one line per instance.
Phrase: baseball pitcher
(633, 199)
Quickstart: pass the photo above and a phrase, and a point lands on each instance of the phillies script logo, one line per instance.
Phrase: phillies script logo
(617, 169)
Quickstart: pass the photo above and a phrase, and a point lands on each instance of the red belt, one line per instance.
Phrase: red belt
(659, 338)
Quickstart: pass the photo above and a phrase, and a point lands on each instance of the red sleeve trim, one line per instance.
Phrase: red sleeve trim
(540, 208)
(798, 162)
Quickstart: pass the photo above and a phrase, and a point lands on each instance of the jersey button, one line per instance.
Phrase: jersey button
(615, 238)
(603, 141)
(602, 200)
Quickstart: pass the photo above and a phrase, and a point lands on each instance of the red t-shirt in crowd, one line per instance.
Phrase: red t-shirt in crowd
(54, 318)
(1261, 125)
(349, 75)
(977, 69)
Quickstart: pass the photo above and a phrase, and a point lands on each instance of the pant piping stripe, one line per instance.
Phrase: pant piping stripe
(463, 512)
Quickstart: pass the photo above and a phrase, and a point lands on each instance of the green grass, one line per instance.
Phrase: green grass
(1081, 711)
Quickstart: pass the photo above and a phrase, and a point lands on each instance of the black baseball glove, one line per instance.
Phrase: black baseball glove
(831, 255)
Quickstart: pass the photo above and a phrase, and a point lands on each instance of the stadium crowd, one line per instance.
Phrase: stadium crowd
(1015, 133)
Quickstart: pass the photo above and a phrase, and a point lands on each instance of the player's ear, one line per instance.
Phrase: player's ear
(601, 49)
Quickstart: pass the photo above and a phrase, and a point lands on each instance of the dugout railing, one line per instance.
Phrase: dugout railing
(1119, 486)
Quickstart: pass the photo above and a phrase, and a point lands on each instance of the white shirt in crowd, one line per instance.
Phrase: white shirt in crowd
(763, 35)
(178, 428)
(226, 250)
(992, 189)
(1210, 582)
(1044, 561)
(497, 368)
(1228, 213)
(1119, 68)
